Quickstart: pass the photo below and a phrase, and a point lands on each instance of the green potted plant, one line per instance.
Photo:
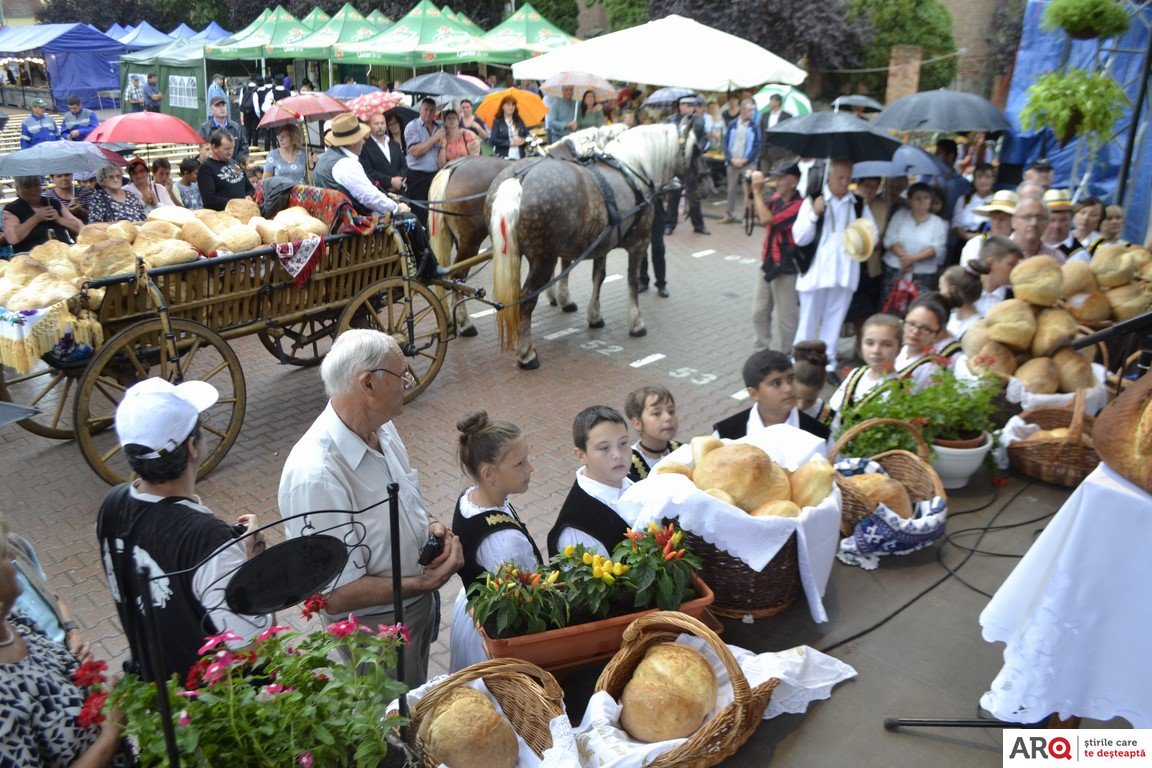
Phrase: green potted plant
(513, 602)
(659, 568)
(1086, 19)
(1074, 103)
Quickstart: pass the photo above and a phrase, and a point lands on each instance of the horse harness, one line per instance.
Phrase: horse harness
(642, 198)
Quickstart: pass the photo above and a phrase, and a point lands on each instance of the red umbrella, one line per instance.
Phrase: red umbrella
(310, 105)
(374, 103)
(146, 128)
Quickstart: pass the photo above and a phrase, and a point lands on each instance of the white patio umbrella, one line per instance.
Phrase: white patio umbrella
(794, 102)
(669, 51)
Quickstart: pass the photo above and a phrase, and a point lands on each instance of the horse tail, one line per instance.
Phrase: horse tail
(502, 223)
(439, 232)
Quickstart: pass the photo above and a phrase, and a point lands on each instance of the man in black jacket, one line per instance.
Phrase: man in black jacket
(382, 157)
(688, 115)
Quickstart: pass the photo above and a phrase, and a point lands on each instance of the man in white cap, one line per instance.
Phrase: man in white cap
(1059, 235)
(158, 524)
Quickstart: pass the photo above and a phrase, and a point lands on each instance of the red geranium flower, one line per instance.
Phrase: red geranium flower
(90, 713)
(314, 605)
(90, 673)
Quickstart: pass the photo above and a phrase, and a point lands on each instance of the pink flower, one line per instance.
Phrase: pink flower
(305, 760)
(219, 668)
(344, 628)
(188, 694)
(275, 629)
(184, 718)
(228, 636)
(395, 630)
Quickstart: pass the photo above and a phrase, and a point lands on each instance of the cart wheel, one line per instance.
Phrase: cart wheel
(50, 386)
(140, 352)
(387, 306)
(304, 343)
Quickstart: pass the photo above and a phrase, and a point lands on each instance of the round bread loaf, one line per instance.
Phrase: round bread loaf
(242, 208)
(1091, 307)
(745, 473)
(1139, 257)
(1145, 272)
(993, 357)
(217, 221)
(702, 445)
(124, 229)
(44, 291)
(23, 269)
(1078, 278)
(1127, 301)
(240, 238)
(1112, 266)
(1055, 328)
(1012, 323)
(883, 489)
(294, 215)
(168, 252)
(268, 231)
(812, 482)
(1123, 433)
(90, 234)
(172, 214)
(1037, 280)
(782, 508)
(464, 730)
(50, 252)
(674, 468)
(1039, 376)
(1074, 371)
(113, 256)
(974, 338)
(671, 693)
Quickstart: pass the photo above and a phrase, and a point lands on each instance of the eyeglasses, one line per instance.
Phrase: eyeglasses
(917, 328)
(406, 377)
(1032, 217)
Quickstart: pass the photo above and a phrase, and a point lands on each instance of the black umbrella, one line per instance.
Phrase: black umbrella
(858, 100)
(666, 97)
(835, 135)
(404, 114)
(440, 84)
(945, 111)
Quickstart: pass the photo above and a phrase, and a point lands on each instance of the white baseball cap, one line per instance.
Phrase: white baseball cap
(161, 415)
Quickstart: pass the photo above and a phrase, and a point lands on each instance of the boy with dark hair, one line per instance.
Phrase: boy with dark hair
(771, 384)
(652, 411)
(187, 187)
(589, 514)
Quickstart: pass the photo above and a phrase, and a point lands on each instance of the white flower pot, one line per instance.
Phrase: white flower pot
(955, 466)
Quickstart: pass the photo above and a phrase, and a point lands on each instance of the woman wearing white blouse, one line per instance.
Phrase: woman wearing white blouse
(915, 242)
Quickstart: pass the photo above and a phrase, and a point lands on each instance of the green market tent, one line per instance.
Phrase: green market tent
(315, 19)
(256, 22)
(183, 77)
(279, 29)
(425, 37)
(378, 18)
(526, 33)
(347, 26)
(462, 20)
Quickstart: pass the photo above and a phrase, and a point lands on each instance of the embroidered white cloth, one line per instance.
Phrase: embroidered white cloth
(561, 755)
(805, 675)
(1075, 613)
(753, 540)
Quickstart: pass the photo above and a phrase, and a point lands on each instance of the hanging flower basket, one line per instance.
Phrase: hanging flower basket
(1086, 19)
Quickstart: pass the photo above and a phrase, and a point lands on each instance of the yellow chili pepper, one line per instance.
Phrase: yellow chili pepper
(618, 569)
(569, 550)
(599, 560)
(597, 572)
(553, 576)
(677, 538)
(587, 558)
(608, 578)
(653, 528)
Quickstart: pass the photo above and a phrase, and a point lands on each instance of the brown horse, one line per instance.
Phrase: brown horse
(456, 214)
(549, 210)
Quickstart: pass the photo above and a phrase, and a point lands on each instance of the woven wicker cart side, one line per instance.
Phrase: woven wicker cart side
(724, 734)
(1064, 460)
(912, 470)
(530, 697)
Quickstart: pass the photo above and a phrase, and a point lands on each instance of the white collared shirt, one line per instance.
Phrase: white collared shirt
(608, 495)
(383, 147)
(349, 173)
(989, 299)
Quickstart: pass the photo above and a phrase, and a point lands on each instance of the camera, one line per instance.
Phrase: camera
(746, 177)
(238, 530)
(431, 550)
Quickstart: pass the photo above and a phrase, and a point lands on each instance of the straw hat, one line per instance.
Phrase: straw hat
(346, 130)
(1058, 200)
(1003, 201)
(860, 239)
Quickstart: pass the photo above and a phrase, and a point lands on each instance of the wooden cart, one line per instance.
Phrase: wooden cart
(175, 322)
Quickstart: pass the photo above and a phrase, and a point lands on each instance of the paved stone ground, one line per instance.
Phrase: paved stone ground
(929, 661)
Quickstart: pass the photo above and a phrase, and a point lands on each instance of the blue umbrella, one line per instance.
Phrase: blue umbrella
(667, 97)
(907, 161)
(346, 91)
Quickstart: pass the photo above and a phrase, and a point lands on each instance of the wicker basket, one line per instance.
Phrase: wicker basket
(912, 470)
(720, 737)
(1058, 460)
(530, 697)
(741, 591)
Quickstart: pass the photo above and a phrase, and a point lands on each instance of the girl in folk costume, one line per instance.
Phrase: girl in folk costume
(918, 359)
(652, 411)
(880, 340)
(962, 287)
(809, 359)
(495, 455)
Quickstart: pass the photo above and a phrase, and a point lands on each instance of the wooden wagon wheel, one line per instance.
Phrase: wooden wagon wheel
(195, 353)
(303, 343)
(50, 386)
(387, 306)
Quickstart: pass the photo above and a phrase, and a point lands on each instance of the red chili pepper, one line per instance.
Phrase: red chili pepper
(679, 553)
(535, 580)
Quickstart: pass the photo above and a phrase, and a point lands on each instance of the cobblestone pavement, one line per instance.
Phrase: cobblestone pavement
(696, 343)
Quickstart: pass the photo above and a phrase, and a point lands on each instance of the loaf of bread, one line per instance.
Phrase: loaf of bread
(267, 230)
(1123, 433)
(782, 508)
(993, 357)
(90, 234)
(200, 236)
(883, 489)
(44, 291)
(154, 232)
(1074, 371)
(1139, 258)
(124, 229)
(702, 445)
(168, 252)
(1037, 280)
(1145, 272)
(294, 215)
(671, 693)
(974, 338)
(674, 468)
(172, 214)
(812, 482)
(217, 221)
(23, 269)
(464, 730)
(1039, 375)
(240, 238)
(242, 208)
(1078, 278)
(1127, 301)
(1012, 323)
(1090, 307)
(1055, 328)
(720, 494)
(1112, 266)
(745, 472)
(113, 256)
(8, 289)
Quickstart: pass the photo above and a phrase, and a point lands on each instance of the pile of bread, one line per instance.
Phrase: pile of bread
(54, 272)
(1028, 336)
(880, 488)
(745, 476)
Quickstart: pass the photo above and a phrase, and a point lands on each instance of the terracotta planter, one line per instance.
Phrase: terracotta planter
(562, 649)
(972, 442)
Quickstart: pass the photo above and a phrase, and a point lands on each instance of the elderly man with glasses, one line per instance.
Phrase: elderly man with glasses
(344, 464)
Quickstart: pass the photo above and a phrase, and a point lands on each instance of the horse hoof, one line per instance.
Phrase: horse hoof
(551, 302)
(597, 324)
(531, 365)
(469, 332)
(570, 307)
(641, 332)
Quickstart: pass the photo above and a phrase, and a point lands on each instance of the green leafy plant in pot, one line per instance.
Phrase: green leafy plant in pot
(1075, 103)
(1086, 19)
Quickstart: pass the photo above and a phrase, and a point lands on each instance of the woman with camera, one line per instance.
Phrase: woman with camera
(775, 304)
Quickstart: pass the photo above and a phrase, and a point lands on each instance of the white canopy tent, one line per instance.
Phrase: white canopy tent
(669, 51)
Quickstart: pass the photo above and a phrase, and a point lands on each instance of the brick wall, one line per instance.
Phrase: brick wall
(592, 18)
(970, 22)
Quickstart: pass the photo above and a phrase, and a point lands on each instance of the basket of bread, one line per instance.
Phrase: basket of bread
(1123, 434)
(908, 478)
(495, 714)
(669, 696)
(1061, 452)
(747, 508)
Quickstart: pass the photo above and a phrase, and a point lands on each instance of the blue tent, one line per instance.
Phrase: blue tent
(1041, 52)
(212, 32)
(80, 62)
(182, 32)
(144, 36)
(115, 31)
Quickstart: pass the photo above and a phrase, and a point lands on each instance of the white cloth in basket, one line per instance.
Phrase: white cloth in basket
(562, 754)
(752, 540)
(1094, 399)
(805, 675)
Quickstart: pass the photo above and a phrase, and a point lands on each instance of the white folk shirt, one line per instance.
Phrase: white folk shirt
(965, 217)
(607, 494)
(349, 173)
(332, 468)
(831, 267)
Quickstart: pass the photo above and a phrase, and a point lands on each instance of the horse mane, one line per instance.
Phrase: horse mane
(652, 150)
(584, 143)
